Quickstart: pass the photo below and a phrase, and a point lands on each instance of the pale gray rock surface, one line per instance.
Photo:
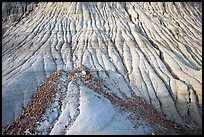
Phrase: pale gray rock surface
(13, 12)
(151, 48)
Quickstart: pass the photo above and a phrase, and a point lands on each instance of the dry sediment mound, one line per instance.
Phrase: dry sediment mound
(152, 50)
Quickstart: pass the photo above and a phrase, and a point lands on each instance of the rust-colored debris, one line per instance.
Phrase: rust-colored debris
(32, 115)
(134, 104)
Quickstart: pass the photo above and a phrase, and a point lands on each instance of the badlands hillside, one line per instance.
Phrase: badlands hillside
(102, 68)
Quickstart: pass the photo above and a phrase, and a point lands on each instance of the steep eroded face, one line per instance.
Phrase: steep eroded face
(151, 49)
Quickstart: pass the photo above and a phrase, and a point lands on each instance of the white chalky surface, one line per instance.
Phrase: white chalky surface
(153, 49)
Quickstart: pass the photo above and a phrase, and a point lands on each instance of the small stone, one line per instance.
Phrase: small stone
(83, 72)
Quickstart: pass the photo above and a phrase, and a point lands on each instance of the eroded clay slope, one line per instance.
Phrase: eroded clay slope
(151, 49)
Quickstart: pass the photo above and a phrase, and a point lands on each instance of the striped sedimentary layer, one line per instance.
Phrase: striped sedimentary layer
(152, 49)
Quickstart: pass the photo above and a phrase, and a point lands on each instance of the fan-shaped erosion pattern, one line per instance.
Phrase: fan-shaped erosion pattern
(98, 63)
